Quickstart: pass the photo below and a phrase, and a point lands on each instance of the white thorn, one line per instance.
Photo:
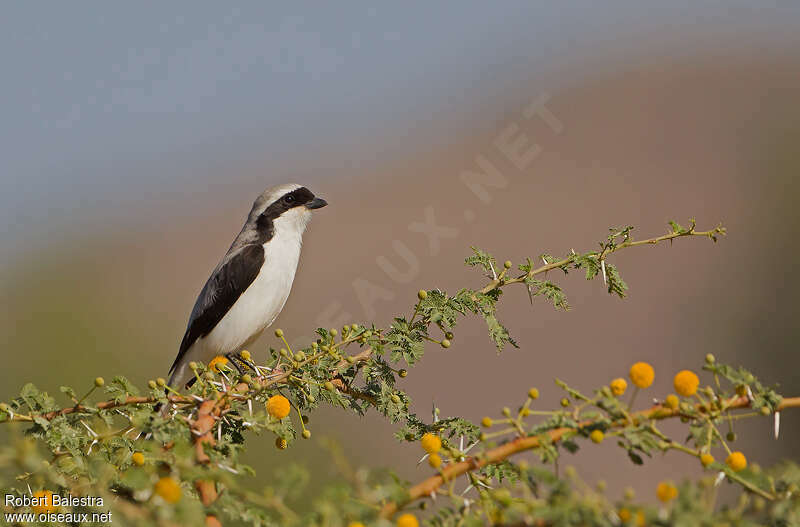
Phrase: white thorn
(91, 446)
(777, 424)
(250, 406)
(719, 479)
(461, 443)
(94, 434)
(603, 266)
(750, 394)
(422, 459)
(433, 495)
(219, 432)
(544, 260)
(467, 489)
(494, 273)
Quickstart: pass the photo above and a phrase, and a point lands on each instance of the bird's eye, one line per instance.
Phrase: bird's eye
(289, 199)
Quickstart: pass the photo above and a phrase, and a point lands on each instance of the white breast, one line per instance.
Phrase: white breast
(261, 303)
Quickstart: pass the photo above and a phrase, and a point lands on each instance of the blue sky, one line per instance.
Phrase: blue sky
(113, 104)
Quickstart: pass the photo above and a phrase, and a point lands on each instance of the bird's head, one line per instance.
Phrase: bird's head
(285, 208)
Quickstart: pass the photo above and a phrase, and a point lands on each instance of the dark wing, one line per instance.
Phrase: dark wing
(219, 294)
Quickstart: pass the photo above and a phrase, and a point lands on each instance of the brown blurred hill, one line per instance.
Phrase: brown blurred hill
(714, 140)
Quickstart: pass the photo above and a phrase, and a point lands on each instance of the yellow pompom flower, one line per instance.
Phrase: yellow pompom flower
(706, 460)
(168, 489)
(138, 459)
(624, 515)
(44, 502)
(278, 406)
(597, 436)
(431, 443)
(642, 374)
(618, 386)
(486, 422)
(435, 461)
(217, 362)
(686, 383)
(672, 401)
(736, 461)
(666, 491)
(641, 521)
(355, 524)
(407, 520)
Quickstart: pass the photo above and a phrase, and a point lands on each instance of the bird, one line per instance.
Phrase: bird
(249, 287)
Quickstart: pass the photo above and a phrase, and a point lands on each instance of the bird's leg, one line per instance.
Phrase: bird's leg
(234, 359)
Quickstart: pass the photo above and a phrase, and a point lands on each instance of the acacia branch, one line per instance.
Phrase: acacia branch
(500, 453)
(607, 250)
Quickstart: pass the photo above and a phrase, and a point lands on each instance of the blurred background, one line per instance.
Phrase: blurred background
(135, 138)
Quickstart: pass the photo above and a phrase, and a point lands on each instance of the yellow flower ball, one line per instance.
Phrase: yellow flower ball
(533, 393)
(217, 362)
(618, 386)
(672, 401)
(278, 406)
(642, 374)
(706, 460)
(736, 461)
(624, 515)
(686, 383)
(168, 489)
(435, 461)
(666, 491)
(44, 502)
(486, 422)
(641, 521)
(431, 443)
(138, 459)
(407, 520)
(355, 524)
(597, 436)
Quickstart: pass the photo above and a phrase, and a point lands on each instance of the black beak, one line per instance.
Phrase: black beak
(316, 203)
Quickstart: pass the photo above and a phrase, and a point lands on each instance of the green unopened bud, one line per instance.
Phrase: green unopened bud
(193, 365)
(710, 358)
(507, 411)
(279, 333)
(764, 410)
(152, 384)
(306, 434)
(507, 264)
(564, 402)
(99, 382)
(730, 436)
(284, 352)
(300, 356)
(246, 378)
(333, 332)
(161, 382)
(403, 373)
(350, 359)
(310, 398)
(422, 294)
(329, 386)
(445, 343)
(395, 398)
(3, 407)
(449, 335)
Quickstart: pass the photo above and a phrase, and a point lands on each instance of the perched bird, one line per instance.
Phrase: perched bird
(249, 287)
